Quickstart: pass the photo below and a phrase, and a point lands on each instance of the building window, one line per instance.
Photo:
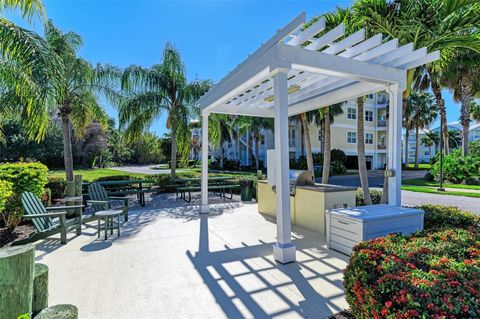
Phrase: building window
(352, 113)
(427, 152)
(351, 137)
(369, 138)
(369, 116)
(370, 96)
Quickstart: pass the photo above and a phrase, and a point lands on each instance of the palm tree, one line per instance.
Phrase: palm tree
(219, 132)
(73, 90)
(454, 138)
(430, 139)
(24, 55)
(327, 115)
(462, 76)
(435, 24)
(257, 124)
(162, 88)
(423, 111)
(362, 164)
(475, 111)
(408, 125)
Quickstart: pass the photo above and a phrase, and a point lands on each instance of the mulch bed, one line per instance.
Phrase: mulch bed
(7, 236)
(342, 315)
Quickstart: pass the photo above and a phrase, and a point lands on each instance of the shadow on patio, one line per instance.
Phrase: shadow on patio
(247, 282)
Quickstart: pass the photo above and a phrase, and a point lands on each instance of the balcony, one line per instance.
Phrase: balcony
(381, 146)
(381, 123)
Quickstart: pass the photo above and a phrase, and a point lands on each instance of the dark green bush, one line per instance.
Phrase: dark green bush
(24, 177)
(337, 168)
(439, 216)
(57, 186)
(429, 177)
(374, 194)
(114, 178)
(338, 156)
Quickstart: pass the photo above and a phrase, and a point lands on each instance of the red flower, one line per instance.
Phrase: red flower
(430, 306)
(384, 312)
(388, 304)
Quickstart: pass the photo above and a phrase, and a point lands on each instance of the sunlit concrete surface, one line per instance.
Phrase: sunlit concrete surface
(171, 262)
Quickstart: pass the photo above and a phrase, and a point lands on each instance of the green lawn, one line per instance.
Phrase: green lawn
(423, 189)
(422, 182)
(91, 174)
(421, 166)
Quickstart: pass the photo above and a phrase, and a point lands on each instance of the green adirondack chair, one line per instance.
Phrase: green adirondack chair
(44, 219)
(100, 200)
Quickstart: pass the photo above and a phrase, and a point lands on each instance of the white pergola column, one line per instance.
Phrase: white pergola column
(204, 202)
(395, 146)
(283, 249)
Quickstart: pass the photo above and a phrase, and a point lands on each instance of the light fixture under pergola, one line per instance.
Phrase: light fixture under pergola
(297, 71)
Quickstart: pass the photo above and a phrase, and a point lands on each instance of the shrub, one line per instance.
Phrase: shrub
(231, 164)
(113, 178)
(458, 168)
(432, 274)
(57, 186)
(24, 177)
(438, 216)
(429, 177)
(374, 194)
(6, 193)
(338, 156)
(337, 168)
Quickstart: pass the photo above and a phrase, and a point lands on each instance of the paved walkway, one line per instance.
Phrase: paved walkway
(169, 262)
(469, 204)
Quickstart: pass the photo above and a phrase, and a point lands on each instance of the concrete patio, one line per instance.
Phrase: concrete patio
(171, 262)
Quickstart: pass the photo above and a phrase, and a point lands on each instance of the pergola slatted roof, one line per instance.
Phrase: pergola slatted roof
(319, 63)
(301, 70)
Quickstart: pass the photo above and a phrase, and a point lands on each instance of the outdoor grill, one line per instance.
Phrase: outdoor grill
(299, 178)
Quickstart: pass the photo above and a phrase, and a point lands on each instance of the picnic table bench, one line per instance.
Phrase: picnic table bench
(129, 187)
(220, 184)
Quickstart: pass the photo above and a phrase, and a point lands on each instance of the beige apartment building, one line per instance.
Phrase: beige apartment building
(344, 136)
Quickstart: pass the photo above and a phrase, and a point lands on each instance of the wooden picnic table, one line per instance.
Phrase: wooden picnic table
(198, 179)
(128, 187)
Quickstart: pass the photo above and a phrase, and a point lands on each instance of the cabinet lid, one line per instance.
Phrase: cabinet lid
(374, 212)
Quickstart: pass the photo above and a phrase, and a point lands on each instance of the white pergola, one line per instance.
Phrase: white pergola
(297, 71)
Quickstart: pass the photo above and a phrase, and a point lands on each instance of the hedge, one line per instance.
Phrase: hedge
(24, 177)
(438, 217)
(57, 186)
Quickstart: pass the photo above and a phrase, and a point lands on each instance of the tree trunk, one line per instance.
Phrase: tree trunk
(173, 155)
(63, 311)
(307, 142)
(40, 288)
(16, 280)
(222, 154)
(327, 145)
(67, 143)
(362, 164)
(407, 136)
(417, 144)
(437, 91)
(257, 151)
(465, 112)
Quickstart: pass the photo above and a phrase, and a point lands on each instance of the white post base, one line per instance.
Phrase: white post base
(204, 209)
(284, 253)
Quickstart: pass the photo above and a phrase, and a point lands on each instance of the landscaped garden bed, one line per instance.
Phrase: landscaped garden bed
(431, 274)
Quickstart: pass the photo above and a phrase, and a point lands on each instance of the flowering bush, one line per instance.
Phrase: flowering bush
(432, 274)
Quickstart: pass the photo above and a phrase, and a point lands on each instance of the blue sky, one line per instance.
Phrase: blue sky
(212, 36)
